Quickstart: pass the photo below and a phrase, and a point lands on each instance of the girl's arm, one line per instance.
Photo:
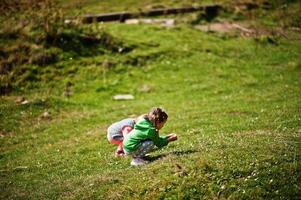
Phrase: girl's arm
(140, 117)
(126, 130)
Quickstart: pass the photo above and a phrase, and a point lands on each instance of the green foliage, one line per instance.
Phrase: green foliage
(38, 35)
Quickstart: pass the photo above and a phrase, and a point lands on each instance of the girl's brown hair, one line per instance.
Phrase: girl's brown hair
(157, 115)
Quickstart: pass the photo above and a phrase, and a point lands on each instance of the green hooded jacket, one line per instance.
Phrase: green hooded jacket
(143, 130)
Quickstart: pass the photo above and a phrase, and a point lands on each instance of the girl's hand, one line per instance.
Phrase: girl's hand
(172, 137)
(126, 131)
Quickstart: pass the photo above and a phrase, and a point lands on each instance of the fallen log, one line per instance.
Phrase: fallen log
(122, 16)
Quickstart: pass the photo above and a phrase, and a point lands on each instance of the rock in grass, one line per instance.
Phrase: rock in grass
(123, 97)
(146, 88)
(162, 22)
(132, 21)
(19, 100)
(46, 116)
(24, 102)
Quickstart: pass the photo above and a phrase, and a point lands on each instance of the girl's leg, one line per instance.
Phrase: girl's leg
(119, 139)
(145, 147)
(119, 151)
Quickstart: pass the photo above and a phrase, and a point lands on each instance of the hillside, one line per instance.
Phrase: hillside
(230, 84)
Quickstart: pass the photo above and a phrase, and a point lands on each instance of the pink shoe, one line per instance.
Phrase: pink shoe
(119, 153)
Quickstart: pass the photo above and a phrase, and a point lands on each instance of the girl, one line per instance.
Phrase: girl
(145, 135)
(117, 131)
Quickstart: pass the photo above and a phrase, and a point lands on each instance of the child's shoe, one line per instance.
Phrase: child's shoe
(138, 161)
(119, 153)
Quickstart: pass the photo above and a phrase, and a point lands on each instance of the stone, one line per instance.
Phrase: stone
(46, 115)
(162, 22)
(123, 97)
(132, 21)
(24, 102)
(19, 100)
(146, 88)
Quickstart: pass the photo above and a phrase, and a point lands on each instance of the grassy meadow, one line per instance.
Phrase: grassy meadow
(234, 102)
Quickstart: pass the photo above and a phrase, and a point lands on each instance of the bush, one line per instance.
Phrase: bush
(35, 33)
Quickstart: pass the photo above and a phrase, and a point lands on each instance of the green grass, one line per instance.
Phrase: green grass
(234, 103)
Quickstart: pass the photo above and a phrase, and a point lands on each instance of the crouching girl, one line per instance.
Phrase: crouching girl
(145, 136)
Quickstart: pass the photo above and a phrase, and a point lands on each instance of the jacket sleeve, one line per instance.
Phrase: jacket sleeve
(157, 140)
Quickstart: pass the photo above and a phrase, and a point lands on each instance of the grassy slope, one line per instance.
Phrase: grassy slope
(234, 103)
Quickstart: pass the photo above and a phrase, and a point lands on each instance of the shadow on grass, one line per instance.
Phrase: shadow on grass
(174, 153)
